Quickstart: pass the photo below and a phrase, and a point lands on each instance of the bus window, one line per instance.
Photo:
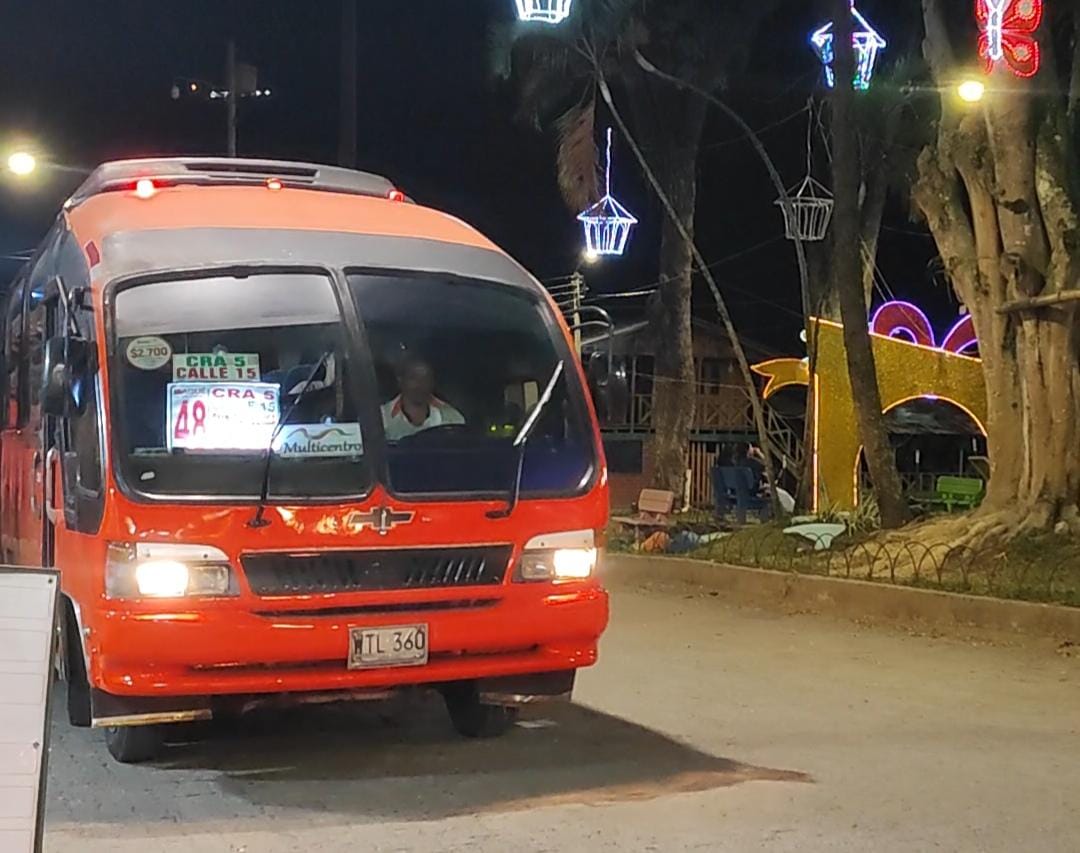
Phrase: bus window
(13, 357)
(461, 367)
(35, 352)
(204, 369)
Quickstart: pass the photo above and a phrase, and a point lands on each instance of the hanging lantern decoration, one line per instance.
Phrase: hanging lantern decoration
(607, 223)
(1007, 32)
(545, 11)
(807, 211)
(866, 41)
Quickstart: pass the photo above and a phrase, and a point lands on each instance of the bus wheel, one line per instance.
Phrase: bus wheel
(472, 718)
(134, 744)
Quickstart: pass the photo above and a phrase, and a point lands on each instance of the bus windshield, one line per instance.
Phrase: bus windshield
(460, 367)
(204, 369)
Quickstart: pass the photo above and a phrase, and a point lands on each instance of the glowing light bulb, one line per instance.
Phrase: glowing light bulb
(22, 163)
(971, 91)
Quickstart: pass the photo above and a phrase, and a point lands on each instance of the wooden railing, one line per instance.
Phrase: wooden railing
(718, 408)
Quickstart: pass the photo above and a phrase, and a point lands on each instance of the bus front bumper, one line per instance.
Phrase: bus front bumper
(241, 650)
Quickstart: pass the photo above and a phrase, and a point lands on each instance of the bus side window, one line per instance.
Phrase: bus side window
(81, 435)
(83, 438)
(34, 347)
(13, 338)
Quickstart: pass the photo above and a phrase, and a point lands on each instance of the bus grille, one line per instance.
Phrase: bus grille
(346, 571)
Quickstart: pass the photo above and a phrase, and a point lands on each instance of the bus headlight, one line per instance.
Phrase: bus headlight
(559, 556)
(559, 564)
(166, 571)
(162, 578)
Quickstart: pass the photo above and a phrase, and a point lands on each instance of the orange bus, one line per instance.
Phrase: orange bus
(290, 437)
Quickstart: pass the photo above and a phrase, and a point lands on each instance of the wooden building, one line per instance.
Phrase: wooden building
(722, 411)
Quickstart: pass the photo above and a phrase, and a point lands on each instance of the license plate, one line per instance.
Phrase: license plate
(397, 645)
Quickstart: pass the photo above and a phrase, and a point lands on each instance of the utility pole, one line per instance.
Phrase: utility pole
(577, 290)
(848, 279)
(347, 131)
(241, 82)
(232, 95)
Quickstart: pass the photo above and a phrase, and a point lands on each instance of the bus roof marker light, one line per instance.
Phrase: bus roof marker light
(274, 184)
(144, 188)
(396, 195)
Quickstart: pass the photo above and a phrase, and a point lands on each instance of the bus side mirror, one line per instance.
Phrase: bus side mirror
(610, 390)
(64, 367)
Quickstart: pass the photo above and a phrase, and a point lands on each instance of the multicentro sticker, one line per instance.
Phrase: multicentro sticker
(306, 440)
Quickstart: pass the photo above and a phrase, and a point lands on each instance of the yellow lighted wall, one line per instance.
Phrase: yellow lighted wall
(905, 371)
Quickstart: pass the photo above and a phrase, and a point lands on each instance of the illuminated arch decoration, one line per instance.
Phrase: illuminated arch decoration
(607, 223)
(1007, 33)
(545, 11)
(961, 337)
(906, 371)
(903, 320)
(867, 42)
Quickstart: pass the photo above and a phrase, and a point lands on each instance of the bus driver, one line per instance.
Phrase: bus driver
(416, 408)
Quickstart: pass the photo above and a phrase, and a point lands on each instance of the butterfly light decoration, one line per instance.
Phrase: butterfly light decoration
(1008, 33)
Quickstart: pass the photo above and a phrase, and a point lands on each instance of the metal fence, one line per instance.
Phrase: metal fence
(943, 566)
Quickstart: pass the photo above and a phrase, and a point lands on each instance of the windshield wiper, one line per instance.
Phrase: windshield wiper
(258, 520)
(521, 440)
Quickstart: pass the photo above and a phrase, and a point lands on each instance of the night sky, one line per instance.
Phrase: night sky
(85, 82)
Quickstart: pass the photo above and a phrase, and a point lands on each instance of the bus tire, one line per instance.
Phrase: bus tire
(472, 718)
(74, 670)
(134, 744)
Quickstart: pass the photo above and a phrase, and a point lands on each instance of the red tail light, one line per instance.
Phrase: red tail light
(396, 195)
(144, 188)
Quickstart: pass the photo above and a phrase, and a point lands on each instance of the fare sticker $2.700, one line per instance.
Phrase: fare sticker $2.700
(216, 367)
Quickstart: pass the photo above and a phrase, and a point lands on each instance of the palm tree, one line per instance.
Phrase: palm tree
(554, 72)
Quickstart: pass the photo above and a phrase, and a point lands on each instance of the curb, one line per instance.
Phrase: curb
(853, 599)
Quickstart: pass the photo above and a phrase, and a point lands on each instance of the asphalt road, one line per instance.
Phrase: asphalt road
(705, 727)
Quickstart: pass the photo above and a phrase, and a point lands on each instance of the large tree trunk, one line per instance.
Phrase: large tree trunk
(996, 193)
(847, 281)
(671, 136)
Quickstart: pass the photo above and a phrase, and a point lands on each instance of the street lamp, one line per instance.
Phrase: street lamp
(21, 163)
(971, 91)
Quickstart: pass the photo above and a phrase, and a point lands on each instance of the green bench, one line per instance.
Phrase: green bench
(955, 492)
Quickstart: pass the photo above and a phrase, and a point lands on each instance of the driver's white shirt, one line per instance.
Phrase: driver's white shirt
(398, 426)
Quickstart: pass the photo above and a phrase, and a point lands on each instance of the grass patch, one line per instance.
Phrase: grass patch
(1042, 568)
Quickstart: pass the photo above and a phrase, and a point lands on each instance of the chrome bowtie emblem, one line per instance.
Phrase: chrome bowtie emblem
(382, 519)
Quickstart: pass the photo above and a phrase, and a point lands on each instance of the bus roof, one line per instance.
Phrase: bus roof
(218, 171)
(188, 222)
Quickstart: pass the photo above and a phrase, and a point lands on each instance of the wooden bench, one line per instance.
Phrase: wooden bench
(956, 492)
(654, 508)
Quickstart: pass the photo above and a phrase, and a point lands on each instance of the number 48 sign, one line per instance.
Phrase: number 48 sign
(222, 415)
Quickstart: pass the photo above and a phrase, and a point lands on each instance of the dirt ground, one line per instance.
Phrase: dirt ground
(704, 727)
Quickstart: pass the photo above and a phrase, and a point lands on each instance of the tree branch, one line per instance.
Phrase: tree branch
(1058, 298)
